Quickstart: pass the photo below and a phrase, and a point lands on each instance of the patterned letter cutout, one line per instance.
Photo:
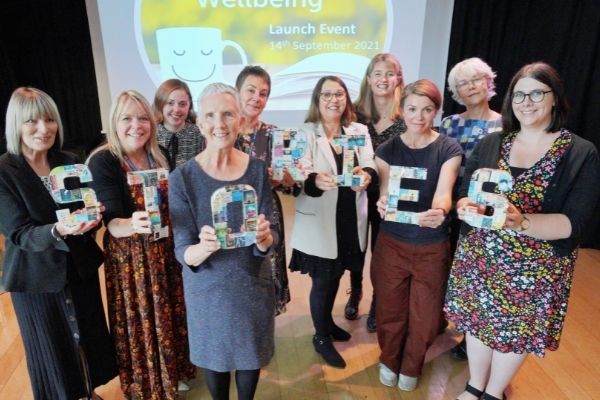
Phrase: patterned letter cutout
(396, 193)
(497, 201)
(65, 196)
(226, 235)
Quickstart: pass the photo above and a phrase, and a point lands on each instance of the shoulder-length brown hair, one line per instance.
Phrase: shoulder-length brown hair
(365, 105)
(161, 97)
(545, 73)
(113, 144)
(314, 115)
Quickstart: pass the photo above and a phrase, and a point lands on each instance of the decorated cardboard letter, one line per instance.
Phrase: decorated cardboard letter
(289, 146)
(348, 144)
(498, 202)
(397, 193)
(61, 195)
(152, 182)
(230, 236)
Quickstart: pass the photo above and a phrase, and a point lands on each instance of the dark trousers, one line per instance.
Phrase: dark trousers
(410, 281)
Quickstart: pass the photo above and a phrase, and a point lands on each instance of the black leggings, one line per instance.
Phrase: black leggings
(245, 380)
(322, 297)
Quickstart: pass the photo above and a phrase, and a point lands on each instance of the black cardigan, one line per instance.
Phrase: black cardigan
(574, 189)
(35, 261)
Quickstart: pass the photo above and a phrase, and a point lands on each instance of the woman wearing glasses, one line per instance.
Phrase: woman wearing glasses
(330, 228)
(471, 83)
(509, 288)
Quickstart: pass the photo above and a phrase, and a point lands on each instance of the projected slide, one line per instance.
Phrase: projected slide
(297, 41)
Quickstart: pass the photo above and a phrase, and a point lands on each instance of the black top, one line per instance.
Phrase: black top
(574, 189)
(432, 157)
(35, 261)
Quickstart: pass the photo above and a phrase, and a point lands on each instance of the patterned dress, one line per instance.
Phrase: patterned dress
(183, 144)
(258, 145)
(146, 309)
(508, 289)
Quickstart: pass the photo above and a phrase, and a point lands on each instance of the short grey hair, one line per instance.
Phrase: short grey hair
(218, 88)
(29, 103)
(469, 67)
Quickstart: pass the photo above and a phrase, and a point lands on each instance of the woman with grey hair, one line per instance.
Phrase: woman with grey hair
(229, 292)
(471, 83)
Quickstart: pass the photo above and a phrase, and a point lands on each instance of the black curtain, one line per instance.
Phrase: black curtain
(46, 44)
(510, 34)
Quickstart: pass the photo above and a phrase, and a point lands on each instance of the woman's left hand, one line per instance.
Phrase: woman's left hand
(432, 218)
(264, 238)
(366, 179)
(514, 218)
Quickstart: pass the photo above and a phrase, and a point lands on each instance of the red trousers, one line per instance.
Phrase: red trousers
(410, 284)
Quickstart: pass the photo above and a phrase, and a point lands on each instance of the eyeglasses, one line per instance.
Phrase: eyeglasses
(536, 96)
(328, 95)
(474, 81)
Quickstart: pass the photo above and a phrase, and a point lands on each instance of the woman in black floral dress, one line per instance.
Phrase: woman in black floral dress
(254, 85)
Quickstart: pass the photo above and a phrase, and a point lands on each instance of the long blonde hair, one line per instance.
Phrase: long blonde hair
(364, 105)
(113, 143)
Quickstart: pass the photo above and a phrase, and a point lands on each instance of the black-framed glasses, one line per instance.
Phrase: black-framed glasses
(537, 96)
(329, 95)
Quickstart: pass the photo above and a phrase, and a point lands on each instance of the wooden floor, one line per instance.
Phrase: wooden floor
(297, 372)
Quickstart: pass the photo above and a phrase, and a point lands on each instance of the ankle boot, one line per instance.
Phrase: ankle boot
(371, 320)
(351, 310)
(339, 335)
(324, 347)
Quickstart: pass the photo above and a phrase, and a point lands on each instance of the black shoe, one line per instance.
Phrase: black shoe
(324, 347)
(340, 335)
(371, 320)
(459, 351)
(351, 310)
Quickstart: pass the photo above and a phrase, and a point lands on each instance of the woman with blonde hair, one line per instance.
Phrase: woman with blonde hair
(378, 107)
(143, 279)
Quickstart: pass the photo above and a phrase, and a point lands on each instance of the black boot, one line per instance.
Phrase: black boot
(324, 347)
(340, 335)
(371, 321)
(351, 310)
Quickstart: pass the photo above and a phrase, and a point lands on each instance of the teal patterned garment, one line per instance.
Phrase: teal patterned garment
(508, 289)
(467, 132)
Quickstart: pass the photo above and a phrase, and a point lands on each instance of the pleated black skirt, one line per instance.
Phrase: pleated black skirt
(67, 345)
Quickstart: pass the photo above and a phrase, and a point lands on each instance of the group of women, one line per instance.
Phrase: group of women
(177, 299)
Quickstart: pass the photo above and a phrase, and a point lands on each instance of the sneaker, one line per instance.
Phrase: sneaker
(407, 383)
(182, 386)
(371, 321)
(340, 335)
(387, 376)
(351, 310)
(459, 352)
(324, 347)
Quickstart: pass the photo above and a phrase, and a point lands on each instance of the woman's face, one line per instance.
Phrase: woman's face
(332, 101)
(254, 94)
(220, 120)
(472, 89)
(176, 110)
(419, 113)
(529, 113)
(38, 135)
(384, 79)
(134, 127)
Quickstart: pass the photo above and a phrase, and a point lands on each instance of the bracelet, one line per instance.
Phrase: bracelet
(55, 234)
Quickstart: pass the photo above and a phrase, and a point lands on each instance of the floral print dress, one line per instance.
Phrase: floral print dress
(146, 309)
(508, 289)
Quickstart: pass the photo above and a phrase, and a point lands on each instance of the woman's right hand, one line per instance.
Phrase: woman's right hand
(326, 181)
(208, 240)
(465, 204)
(140, 222)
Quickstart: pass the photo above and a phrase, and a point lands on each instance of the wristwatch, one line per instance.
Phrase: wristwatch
(525, 223)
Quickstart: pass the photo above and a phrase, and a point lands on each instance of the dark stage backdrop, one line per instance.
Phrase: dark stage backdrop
(509, 34)
(46, 44)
